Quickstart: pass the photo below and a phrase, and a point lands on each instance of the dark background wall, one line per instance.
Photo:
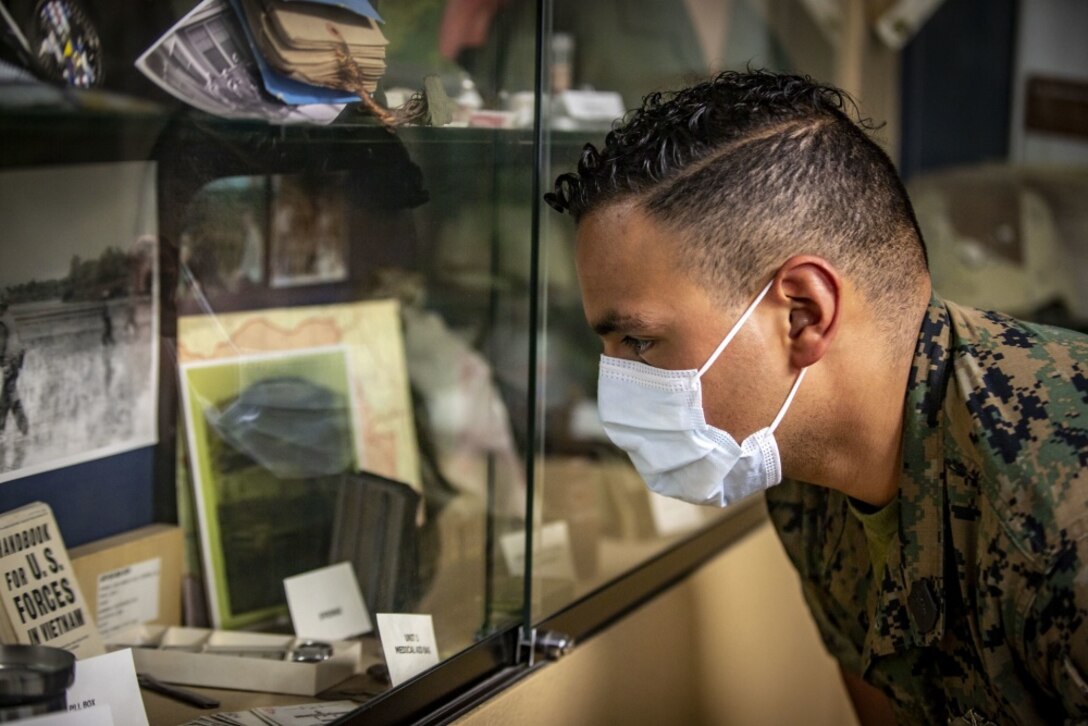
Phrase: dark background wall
(957, 86)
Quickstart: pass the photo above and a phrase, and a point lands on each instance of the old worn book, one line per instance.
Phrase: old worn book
(40, 599)
(307, 42)
(305, 26)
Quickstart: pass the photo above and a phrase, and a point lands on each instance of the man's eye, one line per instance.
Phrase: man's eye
(637, 346)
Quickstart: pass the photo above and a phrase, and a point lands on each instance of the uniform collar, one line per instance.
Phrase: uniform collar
(910, 600)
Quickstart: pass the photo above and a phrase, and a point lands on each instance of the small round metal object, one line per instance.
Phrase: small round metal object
(311, 651)
(34, 680)
(554, 645)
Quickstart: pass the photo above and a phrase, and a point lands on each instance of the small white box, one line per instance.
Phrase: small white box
(187, 656)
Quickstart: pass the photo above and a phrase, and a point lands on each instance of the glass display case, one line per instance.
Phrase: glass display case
(278, 272)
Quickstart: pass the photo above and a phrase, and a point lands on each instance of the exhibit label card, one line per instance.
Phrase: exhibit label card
(408, 643)
(128, 596)
(552, 553)
(327, 603)
(109, 680)
(40, 600)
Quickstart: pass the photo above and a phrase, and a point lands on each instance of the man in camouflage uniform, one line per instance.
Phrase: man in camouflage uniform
(12, 354)
(935, 459)
(976, 612)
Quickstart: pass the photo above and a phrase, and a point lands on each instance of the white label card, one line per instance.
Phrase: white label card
(409, 644)
(108, 680)
(128, 596)
(672, 516)
(326, 604)
(551, 552)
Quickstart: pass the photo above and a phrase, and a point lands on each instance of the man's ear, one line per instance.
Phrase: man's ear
(814, 288)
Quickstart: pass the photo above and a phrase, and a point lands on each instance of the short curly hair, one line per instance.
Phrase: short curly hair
(751, 168)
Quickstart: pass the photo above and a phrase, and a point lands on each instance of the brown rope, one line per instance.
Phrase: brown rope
(353, 80)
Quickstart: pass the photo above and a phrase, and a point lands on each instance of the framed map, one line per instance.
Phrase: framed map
(370, 332)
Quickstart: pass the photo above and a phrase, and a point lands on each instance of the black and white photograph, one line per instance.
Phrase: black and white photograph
(205, 61)
(78, 315)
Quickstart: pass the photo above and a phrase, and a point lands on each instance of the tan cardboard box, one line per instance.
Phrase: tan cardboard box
(155, 541)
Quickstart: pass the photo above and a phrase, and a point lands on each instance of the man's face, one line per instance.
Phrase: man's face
(646, 307)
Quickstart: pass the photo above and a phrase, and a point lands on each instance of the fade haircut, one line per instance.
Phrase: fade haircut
(749, 169)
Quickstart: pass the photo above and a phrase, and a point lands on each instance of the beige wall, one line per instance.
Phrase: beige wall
(732, 644)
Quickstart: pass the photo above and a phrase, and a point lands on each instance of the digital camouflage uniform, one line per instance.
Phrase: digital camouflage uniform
(981, 613)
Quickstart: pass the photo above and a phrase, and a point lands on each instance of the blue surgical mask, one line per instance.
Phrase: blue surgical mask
(656, 416)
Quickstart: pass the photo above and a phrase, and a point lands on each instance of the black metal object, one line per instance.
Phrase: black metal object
(374, 529)
(33, 680)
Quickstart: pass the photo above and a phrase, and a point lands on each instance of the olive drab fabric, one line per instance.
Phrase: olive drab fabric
(981, 613)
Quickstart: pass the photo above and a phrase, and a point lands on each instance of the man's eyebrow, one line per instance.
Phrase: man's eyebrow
(613, 321)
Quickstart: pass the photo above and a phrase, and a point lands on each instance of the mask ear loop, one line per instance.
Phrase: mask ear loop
(734, 330)
(789, 400)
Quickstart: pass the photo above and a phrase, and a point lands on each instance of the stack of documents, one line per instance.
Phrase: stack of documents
(310, 714)
(206, 60)
(307, 41)
(284, 61)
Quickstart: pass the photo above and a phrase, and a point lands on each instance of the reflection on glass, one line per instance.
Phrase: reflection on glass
(222, 243)
(317, 308)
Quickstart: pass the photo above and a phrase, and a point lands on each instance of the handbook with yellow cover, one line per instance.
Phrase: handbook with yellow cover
(40, 599)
